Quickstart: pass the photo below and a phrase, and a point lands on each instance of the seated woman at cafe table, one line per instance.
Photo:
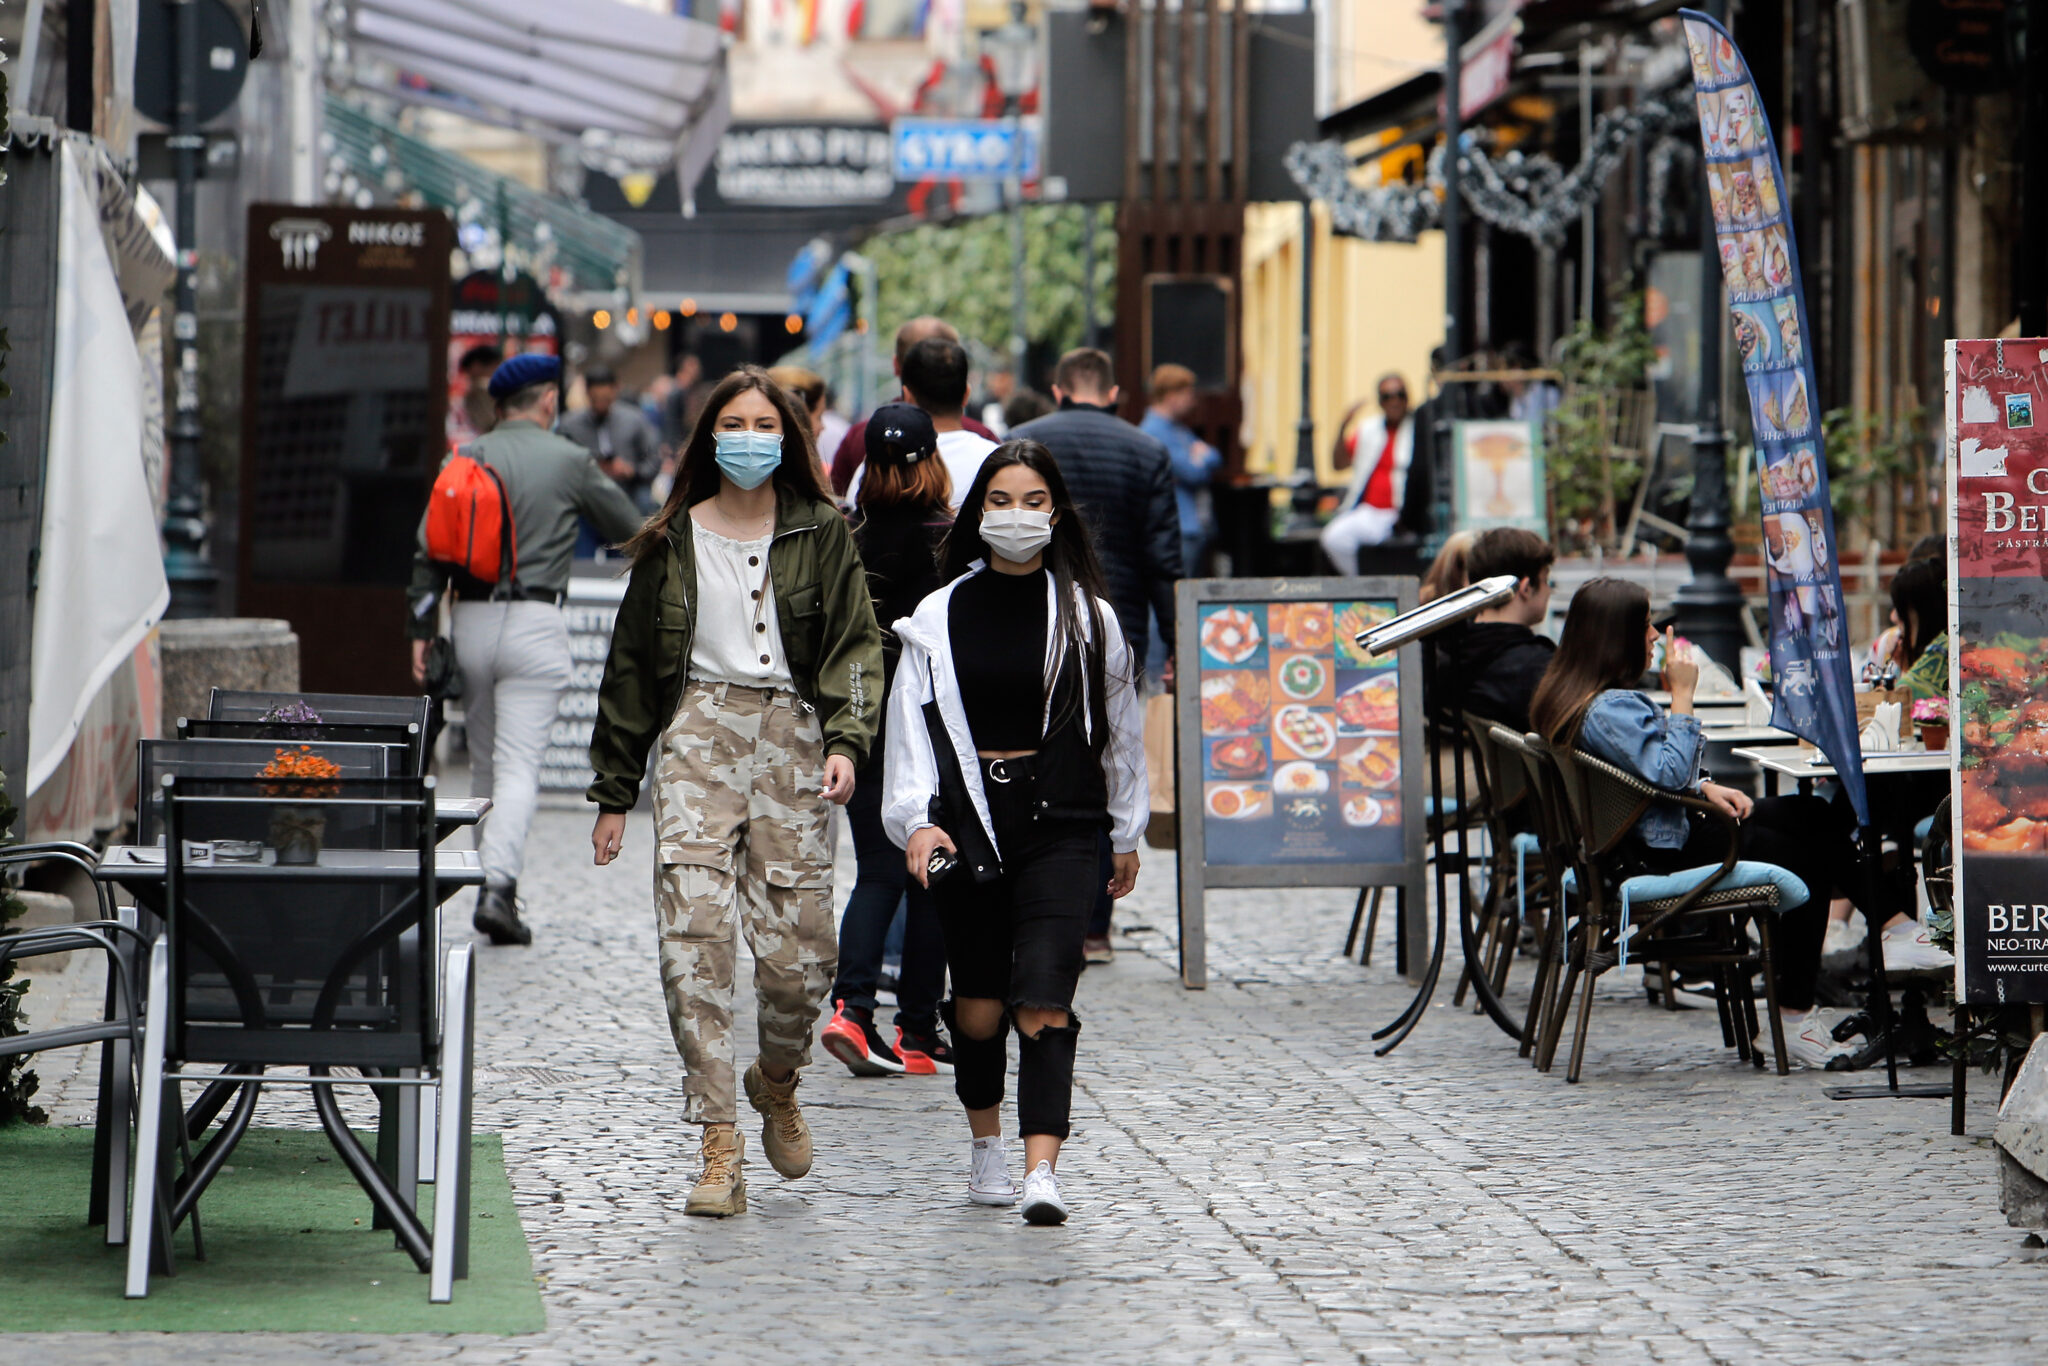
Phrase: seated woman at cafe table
(1919, 654)
(1587, 700)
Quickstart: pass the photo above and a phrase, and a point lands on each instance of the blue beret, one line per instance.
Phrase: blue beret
(522, 371)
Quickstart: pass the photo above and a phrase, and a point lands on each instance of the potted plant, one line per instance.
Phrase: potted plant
(1930, 714)
(296, 831)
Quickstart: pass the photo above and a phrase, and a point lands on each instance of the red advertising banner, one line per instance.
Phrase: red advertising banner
(1998, 617)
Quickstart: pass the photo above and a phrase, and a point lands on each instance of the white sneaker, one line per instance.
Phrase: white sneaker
(1807, 1040)
(1042, 1203)
(1908, 949)
(1844, 941)
(988, 1174)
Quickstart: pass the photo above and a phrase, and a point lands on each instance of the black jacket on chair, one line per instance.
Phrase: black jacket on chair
(1123, 481)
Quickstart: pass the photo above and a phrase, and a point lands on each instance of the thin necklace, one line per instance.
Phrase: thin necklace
(733, 523)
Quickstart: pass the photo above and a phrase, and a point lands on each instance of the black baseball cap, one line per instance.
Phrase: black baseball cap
(900, 434)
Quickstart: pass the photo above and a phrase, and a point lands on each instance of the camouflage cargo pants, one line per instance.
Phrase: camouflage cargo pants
(740, 820)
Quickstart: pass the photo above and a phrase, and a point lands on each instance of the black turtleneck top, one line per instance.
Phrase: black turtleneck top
(997, 624)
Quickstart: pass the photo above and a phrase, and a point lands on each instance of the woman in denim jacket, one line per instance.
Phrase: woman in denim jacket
(1588, 700)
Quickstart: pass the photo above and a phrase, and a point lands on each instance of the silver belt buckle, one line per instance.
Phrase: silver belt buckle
(998, 770)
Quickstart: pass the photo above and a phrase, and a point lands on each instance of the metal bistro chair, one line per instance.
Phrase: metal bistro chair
(115, 934)
(1696, 917)
(322, 966)
(1504, 804)
(405, 1144)
(335, 708)
(409, 739)
(1543, 790)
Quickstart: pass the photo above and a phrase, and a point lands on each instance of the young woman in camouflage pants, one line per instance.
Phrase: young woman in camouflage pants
(746, 642)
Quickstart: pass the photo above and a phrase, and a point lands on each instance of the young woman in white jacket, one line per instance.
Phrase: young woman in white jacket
(1015, 737)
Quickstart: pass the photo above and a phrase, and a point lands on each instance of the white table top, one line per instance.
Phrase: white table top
(1743, 735)
(1794, 762)
(452, 867)
(1663, 699)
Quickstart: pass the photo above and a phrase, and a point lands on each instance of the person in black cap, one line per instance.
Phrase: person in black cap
(623, 441)
(904, 511)
(511, 644)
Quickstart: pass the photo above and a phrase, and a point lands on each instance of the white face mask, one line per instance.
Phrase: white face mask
(1016, 534)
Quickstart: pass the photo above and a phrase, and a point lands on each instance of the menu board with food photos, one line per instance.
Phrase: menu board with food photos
(1292, 738)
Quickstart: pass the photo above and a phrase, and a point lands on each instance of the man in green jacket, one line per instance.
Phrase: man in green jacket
(511, 643)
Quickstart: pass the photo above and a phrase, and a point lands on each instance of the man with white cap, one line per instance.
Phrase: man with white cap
(511, 643)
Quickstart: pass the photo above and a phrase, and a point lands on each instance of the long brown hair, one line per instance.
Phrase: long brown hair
(924, 487)
(1603, 645)
(1449, 571)
(697, 473)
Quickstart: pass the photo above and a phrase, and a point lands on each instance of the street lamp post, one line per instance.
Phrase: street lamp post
(1449, 403)
(192, 576)
(1013, 52)
(1709, 604)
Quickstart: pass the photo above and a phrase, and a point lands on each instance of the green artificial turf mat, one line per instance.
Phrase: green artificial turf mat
(289, 1248)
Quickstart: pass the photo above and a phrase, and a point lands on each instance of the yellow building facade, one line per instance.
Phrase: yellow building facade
(1377, 307)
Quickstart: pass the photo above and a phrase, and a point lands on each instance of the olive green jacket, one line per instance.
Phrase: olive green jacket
(828, 635)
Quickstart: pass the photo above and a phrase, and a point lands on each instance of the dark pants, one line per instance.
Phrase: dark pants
(1018, 940)
(882, 882)
(1808, 837)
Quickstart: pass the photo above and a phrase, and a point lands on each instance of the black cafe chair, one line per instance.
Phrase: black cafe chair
(316, 967)
(113, 933)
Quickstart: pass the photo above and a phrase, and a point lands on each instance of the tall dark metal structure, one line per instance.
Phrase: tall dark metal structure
(192, 575)
(1710, 604)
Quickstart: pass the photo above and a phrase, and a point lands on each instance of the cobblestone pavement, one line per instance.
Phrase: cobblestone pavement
(1250, 1184)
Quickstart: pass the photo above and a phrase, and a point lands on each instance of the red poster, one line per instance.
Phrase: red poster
(1998, 615)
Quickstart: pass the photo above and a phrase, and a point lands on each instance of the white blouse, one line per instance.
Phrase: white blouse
(737, 639)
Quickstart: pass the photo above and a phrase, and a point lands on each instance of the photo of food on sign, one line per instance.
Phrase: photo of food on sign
(2004, 739)
(1300, 735)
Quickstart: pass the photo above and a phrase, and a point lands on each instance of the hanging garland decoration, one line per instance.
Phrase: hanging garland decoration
(1527, 194)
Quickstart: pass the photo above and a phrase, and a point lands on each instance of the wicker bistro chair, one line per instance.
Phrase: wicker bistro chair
(1543, 792)
(1512, 885)
(321, 966)
(1695, 918)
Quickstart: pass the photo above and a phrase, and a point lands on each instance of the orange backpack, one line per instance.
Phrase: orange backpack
(469, 521)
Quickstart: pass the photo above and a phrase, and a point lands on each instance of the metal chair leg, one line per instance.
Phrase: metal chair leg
(149, 1125)
(1357, 918)
(1372, 927)
(451, 1167)
(1766, 965)
(1584, 1027)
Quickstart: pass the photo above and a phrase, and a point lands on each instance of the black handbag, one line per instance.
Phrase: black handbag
(443, 681)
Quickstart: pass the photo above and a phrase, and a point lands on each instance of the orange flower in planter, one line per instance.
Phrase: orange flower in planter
(305, 769)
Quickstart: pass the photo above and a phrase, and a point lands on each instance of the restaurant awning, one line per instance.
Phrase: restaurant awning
(558, 242)
(631, 88)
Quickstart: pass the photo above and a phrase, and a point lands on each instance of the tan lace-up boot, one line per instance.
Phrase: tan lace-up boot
(721, 1190)
(784, 1135)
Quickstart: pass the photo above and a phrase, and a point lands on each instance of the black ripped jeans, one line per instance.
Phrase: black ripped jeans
(1018, 940)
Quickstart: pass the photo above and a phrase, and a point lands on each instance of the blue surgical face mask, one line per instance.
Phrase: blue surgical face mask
(748, 458)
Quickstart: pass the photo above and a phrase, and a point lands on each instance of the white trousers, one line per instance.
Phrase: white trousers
(1347, 532)
(514, 658)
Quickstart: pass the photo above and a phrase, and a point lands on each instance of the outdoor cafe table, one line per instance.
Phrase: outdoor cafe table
(1806, 766)
(140, 870)
(452, 813)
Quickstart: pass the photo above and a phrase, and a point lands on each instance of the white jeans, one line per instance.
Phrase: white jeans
(1362, 526)
(514, 658)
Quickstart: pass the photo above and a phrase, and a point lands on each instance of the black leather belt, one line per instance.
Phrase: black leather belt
(554, 596)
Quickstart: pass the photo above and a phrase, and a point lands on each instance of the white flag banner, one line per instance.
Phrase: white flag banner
(100, 585)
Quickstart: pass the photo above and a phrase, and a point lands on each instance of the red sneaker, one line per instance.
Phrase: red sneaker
(853, 1039)
(924, 1055)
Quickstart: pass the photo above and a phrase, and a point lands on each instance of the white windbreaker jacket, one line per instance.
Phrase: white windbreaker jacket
(925, 673)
